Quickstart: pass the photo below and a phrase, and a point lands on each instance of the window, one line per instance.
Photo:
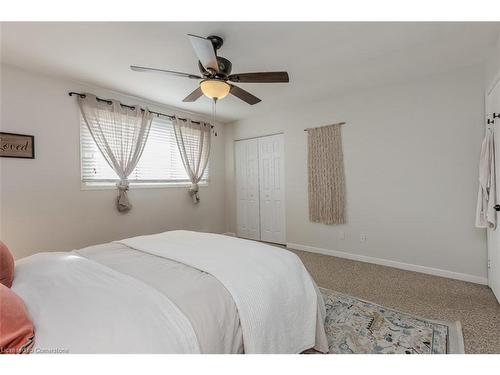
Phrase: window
(160, 163)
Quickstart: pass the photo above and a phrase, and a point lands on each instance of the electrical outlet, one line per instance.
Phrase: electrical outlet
(363, 237)
(489, 263)
(342, 235)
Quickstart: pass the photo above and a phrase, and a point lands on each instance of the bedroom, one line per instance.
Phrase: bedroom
(343, 178)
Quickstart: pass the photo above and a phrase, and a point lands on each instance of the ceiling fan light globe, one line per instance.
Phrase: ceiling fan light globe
(214, 88)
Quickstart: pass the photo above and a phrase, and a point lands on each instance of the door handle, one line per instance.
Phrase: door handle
(497, 207)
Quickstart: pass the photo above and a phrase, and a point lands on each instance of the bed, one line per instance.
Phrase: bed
(172, 292)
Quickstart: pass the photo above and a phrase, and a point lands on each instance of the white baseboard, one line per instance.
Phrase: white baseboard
(392, 263)
(229, 234)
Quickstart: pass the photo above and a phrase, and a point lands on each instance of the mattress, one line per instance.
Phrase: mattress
(131, 296)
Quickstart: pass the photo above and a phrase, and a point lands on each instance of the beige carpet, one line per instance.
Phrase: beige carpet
(427, 296)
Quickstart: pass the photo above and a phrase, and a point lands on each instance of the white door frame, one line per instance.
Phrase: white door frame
(493, 237)
(258, 136)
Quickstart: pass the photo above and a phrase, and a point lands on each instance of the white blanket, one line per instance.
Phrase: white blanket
(80, 306)
(274, 294)
(204, 301)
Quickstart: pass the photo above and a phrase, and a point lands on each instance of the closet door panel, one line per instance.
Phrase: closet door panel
(272, 194)
(241, 203)
(247, 189)
(253, 189)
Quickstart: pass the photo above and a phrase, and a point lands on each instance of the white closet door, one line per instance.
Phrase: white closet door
(493, 106)
(247, 189)
(272, 192)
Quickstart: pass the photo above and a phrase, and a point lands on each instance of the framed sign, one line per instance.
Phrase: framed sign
(17, 146)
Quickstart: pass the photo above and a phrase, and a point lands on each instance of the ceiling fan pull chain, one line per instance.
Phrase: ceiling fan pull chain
(214, 110)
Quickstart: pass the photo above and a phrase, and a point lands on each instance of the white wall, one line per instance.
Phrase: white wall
(42, 207)
(492, 65)
(411, 154)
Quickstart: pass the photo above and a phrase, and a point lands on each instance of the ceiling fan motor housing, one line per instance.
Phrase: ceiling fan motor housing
(225, 67)
(217, 41)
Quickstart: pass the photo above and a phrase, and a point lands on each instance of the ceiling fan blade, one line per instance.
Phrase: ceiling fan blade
(205, 51)
(193, 96)
(244, 95)
(171, 72)
(260, 77)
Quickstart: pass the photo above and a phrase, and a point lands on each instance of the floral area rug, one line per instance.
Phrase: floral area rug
(356, 326)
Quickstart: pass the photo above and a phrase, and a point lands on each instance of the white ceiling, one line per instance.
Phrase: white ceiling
(321, 58)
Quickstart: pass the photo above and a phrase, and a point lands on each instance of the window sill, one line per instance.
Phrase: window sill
(135, 186)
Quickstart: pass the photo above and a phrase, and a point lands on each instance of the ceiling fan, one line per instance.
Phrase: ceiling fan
(216, 73)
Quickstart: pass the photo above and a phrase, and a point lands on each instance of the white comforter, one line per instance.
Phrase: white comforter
(80, 306)
(176, 292)
(274, 293)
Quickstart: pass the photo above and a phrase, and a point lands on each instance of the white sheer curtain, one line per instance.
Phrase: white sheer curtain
(193, 141)
(120, 133)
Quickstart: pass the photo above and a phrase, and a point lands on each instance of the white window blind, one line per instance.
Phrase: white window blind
(160, 162)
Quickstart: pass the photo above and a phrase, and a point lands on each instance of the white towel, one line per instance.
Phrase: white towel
(486, 197)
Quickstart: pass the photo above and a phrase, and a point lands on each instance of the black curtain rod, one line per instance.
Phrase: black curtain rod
(132, 107)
